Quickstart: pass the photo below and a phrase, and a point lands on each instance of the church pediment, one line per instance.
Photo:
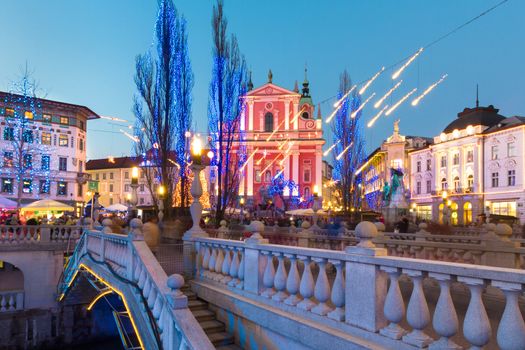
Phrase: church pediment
(270, 89)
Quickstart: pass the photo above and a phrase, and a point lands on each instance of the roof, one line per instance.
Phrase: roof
(79, 108)
(486, 116)
(116, 163)
(506, 123)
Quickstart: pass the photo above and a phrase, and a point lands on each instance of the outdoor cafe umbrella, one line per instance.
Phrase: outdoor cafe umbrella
(47, 205)
(7, 203)
(306, 212)
(116, 207)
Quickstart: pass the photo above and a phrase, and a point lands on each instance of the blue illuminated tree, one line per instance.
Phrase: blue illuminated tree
(162, 106)
(348, 131)
(225, 108)
(277, 188)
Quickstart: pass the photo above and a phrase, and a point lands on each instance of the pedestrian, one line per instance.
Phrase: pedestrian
(151, 234)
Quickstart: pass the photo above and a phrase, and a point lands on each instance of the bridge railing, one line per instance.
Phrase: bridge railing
(29, 234)
(130, 260)
(351, 287)
(11, 300)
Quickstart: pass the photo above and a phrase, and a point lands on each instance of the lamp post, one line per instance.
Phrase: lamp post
(241, 203)
(161, 191)
(315, 206)
(134, 186)
(196, 190)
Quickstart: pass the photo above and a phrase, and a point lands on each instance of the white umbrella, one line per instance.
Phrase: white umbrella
(116, 207)
(7, 203)
(306, 212)
(47, 204)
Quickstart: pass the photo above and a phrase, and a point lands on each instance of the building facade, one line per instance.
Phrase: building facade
(474, 168)
(393, 153)
(282, 136)
(43, 145)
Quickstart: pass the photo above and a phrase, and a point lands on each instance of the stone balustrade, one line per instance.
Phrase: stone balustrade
(360, 287)
(127, 259)
(28, 234)
(12, 300)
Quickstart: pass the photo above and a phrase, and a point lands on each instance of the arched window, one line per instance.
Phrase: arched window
(470, 183)
(305, 115)
(441, 207)
(467, 213)
(306, 193)
(443, 184)
(268, 176)
(268, 122)
(456, 184)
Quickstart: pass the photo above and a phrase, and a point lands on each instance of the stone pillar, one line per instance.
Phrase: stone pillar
(295, 111)
(318, 171)
(286, 115)
(249, 175)
(295, 167)
(366, 286)
(254, 261)
(286, 191)
(250, 115)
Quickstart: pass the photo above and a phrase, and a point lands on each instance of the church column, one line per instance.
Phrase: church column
(286, 114)
(286, 174)
(250, 115)
(249, 175)
(295, 119)
(318, 171)
(295, 168)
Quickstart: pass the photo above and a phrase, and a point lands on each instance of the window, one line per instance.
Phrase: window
(268, 122)
(46, 118)
(103, 176)
(470, 156)
(455, 160)
(456, 184)
(495, 179)
(63, 140)
(97, 177)
(27, 136)
(64, 120)
(61, 188)
(45, 185)
(110, 187)
(429, 186)
(257, 175)
(80, 190)
(81, 125)
(306, 193)
(27, 186)
(126, 188)
(72, 142)
(467, 213)
(470, 182)
(7, 185)
(429, 164)
(418, 187)
(8, 159)
(443, 161)
(9, 133)
(28, 161)
(111, 176)
(9, 112)
(62, 164)
(443, 184)
(46, 138)
(28, 115)
(424, 212)
(418, 166)
(81, 144)
(494, 152)
(267, 176)
(80, 166)
(511, 178)
(141, 200)
(306, 175)
(511, 149)
(46, 162)
(111, 201)
(504, 208)
(126, 175)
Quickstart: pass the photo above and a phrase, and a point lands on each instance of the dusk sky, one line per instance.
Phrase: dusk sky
(83, 52)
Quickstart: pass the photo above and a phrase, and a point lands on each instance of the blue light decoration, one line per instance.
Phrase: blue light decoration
(350, 133)
(277, 187)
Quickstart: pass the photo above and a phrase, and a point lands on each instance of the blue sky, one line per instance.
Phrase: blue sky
(83, 52)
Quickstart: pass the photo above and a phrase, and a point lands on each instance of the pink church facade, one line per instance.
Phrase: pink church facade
(282, 135)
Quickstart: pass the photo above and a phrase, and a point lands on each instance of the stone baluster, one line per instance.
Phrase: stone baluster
(445, 320)
(418, 315)
(234, 268)
(476, 325)
(240, 284)
(394, 306)
(269, 276)
(205, 260)
(3, 303)
(213, 259)
(226, 266)
(322, 289)
(306, 288)
(511, 329)
(292, 282)
(338, 292)
(20, 301)
(218, 264)
(280, 278)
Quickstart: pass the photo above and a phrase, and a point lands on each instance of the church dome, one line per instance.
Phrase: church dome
(486, 116)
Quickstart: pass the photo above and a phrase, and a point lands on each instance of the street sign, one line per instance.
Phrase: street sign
(93, 186)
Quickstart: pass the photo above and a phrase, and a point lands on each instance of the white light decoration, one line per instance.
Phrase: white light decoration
(443, 137)
(455, 133)
(470, 130)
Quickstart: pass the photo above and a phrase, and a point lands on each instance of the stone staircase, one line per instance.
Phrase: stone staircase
(214, 329)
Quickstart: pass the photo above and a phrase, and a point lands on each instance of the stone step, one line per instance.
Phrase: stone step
(204, 315)
(197, 305)
(229, 347)
(190, 295)
(220, 338)
(212, 326)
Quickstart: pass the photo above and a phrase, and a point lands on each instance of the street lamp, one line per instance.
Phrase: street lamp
(196, 189)
(161, 191)
(133, 200)
(241, 203)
